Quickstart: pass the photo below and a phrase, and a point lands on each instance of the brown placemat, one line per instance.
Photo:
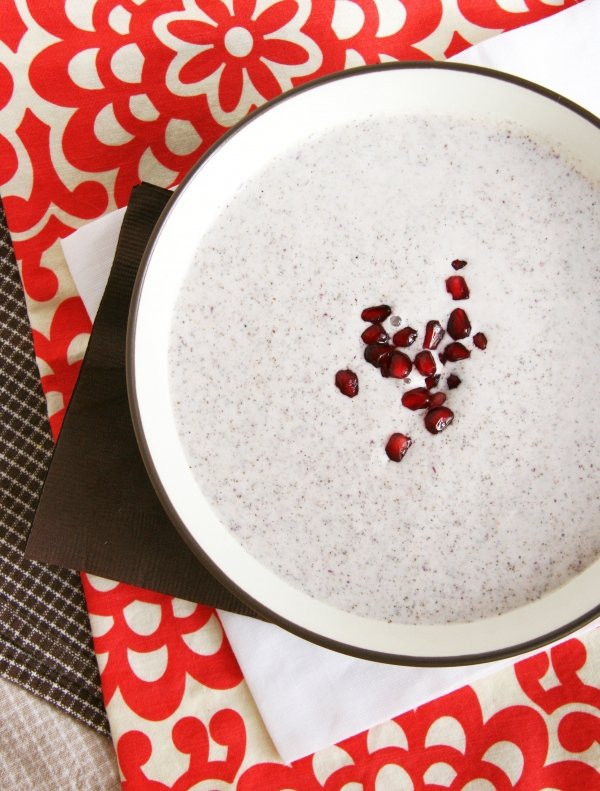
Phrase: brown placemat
(98, 511)
(45, 638)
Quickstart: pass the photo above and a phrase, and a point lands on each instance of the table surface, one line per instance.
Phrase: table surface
(94, 98)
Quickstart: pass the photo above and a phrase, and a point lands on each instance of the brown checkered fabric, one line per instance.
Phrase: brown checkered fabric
(45, 640)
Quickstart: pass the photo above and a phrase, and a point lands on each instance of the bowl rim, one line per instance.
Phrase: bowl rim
(262, 610)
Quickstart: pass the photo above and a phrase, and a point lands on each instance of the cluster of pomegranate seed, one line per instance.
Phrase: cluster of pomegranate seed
(386, 355)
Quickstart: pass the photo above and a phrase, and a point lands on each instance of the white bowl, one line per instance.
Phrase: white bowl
(342, 98)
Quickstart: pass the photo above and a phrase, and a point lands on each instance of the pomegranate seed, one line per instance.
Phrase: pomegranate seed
(419, 398)
(405, 337)
(397, 365)
(376, 314)
(434, 332)
(347, 383)
(438, 419)
(374, 334)
(442, 357)
(480, 340)
(458, 263)
(425, 364)
(457, 287)
(459, 325)
(397, 445)
(456, 351)
(375, 353)
(432, 381)
(453, 381)
(437, 399)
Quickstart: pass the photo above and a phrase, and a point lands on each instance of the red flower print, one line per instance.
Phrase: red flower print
(447, 743)
(166, 641)
(69, 320)
(192, 738)
(565, 660)
(239, 44)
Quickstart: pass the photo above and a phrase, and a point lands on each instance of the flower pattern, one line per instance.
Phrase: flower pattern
(138, 91)
(444, 744)
(244, 50)
(447, 743)
(135, 630)
(95, 96)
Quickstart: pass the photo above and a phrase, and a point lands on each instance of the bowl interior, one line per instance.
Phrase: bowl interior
(401, 90)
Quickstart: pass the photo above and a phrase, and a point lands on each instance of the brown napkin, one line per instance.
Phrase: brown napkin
(45, 639)
(98, 511)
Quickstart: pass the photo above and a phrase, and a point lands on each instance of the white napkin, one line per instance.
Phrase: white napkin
(89, 253)
(561, 52)
(310, 697)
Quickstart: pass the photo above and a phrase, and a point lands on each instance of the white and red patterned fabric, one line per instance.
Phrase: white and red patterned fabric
(96, 96)
(181, 714)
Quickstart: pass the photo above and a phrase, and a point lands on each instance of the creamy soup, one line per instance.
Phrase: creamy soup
(486, 516)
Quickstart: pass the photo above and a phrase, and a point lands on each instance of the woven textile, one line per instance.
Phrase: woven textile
(45, 642)
(43, 748)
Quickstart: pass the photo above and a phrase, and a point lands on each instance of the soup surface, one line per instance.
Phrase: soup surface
(494, 511)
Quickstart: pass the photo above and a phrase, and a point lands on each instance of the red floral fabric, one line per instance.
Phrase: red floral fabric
(96, 96)
(536, 726)
(123, 91)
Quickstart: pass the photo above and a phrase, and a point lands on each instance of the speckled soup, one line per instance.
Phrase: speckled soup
(501, 507)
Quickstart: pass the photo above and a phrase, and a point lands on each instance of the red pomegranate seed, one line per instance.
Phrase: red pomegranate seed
(437, 399)
(434, 332)
(347, 382)
(457, 287)
(375, 334)
(459, 325)
(376, 313)
(442, 357)
(480, 340)
(397, 445)
(432, 381)
(419, 398)
(404, 337)
(397, 365)
(438, 419)
(375, 353)
(458, 263)
(456, 351)
(425, 364)
(453, 381)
